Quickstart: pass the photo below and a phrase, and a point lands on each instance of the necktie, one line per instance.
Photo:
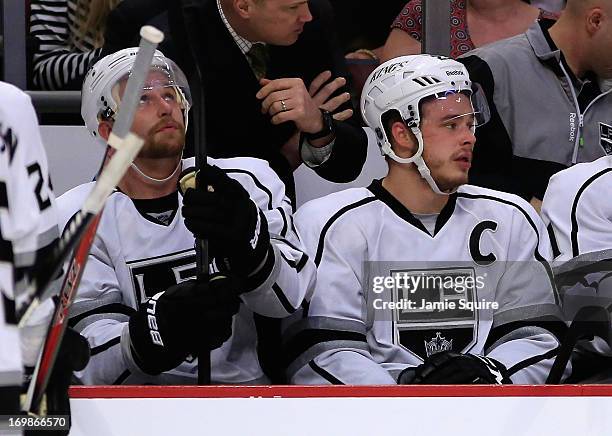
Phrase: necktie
(258, 57)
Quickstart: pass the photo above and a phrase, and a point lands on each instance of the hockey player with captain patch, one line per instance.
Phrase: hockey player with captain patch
(466, 247)
(139, 305)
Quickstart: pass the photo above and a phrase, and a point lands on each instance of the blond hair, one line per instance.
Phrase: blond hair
(90, 21)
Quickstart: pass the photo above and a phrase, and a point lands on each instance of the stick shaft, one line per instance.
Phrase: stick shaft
(197, 88)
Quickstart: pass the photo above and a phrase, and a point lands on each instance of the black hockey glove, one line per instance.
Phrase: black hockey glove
(221, 211)
(182, 320)
(73, 355)
(450, 368)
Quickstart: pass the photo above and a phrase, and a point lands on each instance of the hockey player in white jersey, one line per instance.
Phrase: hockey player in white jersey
(422, 278)
(28, 227)
(576, 215)
(28, 234)
(578, 218)
(138, 304)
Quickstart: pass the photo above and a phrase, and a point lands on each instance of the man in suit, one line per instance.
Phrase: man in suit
(273, 102)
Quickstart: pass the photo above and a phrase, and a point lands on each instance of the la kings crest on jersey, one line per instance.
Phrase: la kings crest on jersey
(417, 293)
(444, 302)
(431, 314)
(150, 276)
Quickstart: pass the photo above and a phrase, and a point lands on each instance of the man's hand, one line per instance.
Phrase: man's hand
(222, 212)
(452, 368)
(288, 100)
(181, 320)
(321, 95)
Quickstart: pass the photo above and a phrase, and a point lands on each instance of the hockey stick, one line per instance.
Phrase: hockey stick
(201, 245)
(590, 321)
(128, 145)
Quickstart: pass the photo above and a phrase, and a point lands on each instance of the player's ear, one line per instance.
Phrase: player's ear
(594, 21)
(404, 141)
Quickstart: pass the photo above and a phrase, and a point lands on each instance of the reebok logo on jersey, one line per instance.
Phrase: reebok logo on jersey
(152, 320)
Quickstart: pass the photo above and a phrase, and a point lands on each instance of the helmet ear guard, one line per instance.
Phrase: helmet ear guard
(402, 84)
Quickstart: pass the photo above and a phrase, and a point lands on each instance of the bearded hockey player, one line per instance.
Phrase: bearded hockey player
(138, 304)
(422, 278)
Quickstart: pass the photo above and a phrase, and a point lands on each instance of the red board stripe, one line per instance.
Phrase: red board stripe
(338, 391)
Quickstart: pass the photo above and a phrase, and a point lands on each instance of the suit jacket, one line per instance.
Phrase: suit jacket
(235, 125)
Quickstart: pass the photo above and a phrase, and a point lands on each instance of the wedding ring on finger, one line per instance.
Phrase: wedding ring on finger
(283, 106)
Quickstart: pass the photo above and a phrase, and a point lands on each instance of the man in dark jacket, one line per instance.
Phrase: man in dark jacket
(273, 76)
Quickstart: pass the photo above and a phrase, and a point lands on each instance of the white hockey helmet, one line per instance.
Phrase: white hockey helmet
(100, 98)
(401, 84)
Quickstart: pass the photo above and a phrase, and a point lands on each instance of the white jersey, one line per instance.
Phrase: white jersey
(28, 223)
(575, 209)
(142, 247)
(578, 216)
(389, 293)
